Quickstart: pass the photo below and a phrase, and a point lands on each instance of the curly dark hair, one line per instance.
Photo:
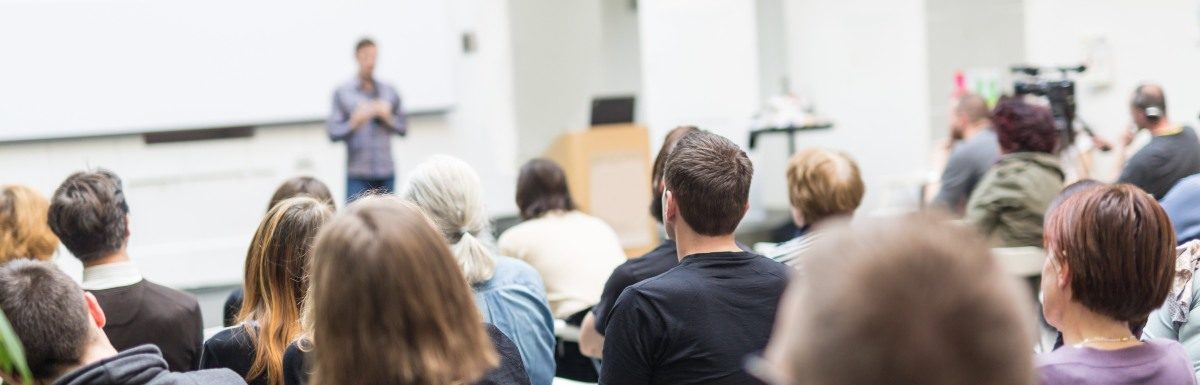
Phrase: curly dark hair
(88, 214)
(1024, 127)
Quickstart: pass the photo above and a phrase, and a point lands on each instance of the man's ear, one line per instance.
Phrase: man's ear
(93, 307)
(670, 210)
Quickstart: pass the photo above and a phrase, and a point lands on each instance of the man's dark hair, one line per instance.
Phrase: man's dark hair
(709, 176)
(363, 43)
(88, 214)
(47, 312)
(542, 188)
(660, 163)
(1023, 127)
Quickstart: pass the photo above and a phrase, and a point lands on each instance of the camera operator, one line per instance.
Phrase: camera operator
(973, 149)
(1172, 154)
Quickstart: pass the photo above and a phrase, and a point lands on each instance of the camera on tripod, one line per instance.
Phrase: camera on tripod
(1060, 92)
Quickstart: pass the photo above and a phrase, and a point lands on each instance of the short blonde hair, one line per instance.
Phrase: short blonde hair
(24, 228)
(823, 183)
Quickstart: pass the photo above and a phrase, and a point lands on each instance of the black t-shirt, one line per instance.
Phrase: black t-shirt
(510, 372)
(650, 265)
(695, 323)
(1163, 162)
(231, 348)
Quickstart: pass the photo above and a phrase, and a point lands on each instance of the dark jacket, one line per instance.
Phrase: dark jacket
(144, 365)
(149, 313)
(1009, 204)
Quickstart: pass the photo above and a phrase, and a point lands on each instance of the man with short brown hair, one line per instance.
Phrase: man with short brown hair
(696, 323)
(822, 184)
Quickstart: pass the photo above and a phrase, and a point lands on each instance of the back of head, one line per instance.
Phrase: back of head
(1070, 191)
(449, 192)
(823, 184)
(24, 232)
(709, 177)
(277, 279)
(1150, 100)
(302, 186)
(542, 188)
(1024, 127)
(47, 312)
(1119, 247)
(88, 214)
(921, 303)
(381, 260)
(660, 165)
(973, 107)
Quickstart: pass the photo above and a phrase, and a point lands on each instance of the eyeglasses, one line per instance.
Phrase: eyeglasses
(766, 371)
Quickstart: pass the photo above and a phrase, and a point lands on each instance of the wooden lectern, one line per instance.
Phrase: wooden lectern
(608, 172)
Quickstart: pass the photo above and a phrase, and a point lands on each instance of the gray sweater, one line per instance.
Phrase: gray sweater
(144, 365)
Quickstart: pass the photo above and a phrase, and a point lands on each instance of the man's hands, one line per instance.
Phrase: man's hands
(370, 110)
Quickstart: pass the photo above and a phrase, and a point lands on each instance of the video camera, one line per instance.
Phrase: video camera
(1060, 92)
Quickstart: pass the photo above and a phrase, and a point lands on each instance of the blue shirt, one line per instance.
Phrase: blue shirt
(1180, 204)
(369, 147)
(514, 300)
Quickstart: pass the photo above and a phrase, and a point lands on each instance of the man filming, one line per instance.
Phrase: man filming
(1172, 154)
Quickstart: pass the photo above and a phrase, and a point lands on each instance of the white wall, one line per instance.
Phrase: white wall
(195, 205)
(863, 63)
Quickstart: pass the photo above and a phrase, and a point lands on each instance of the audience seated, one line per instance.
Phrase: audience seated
(573, 251)
(1172, 154)
(294, 187)
(24, 232)
(921, 302)
(1111, 262)
(653, 263)
(276, 281)
(695, 323)
(60, 327)
(1009, 203)
(388, 305)
(90, 216)
(1178, 319)
(975, 150)
(822, 184)
(1180, 204)
(509, 292)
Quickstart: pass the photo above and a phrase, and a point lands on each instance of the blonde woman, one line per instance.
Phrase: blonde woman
(275, 284)
(509, 292)
(24, 230)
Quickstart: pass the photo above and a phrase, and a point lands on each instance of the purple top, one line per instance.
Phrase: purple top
(1153, 362)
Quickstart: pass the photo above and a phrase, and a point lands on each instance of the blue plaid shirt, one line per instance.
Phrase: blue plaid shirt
(369, 147)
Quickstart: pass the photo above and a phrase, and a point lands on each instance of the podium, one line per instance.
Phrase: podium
(608, 172)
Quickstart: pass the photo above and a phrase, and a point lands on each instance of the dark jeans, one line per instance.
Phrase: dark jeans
(356, 186)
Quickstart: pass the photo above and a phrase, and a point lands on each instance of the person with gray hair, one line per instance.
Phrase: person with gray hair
(60, 326)
(975, 149)
(510, 293)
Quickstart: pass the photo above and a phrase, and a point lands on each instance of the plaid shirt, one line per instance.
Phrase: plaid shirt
(369, 147)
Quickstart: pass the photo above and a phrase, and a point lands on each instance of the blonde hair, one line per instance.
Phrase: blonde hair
(276, 281)
(24, 225)
(448, 191)
(390, 305)
(823, 183)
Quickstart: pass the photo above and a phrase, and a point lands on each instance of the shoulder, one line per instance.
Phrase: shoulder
(207, 377)
(512, 267)
(170, 300)
(520, 231)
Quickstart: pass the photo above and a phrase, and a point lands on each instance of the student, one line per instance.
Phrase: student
(1111, 262)
(975, 150)
(573, 251)
(509, 292)
(382, 259)
(1173, 153)
(653, 263)
(1009, 203)
(23, 229)
(294, 187)
(696, 323)
(60, 325)
(1179, 204)
(276, 281)
(922, 302)
(822, 184)
(89, 214)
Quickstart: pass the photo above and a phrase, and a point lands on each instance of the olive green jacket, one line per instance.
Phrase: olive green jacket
(1010, 201)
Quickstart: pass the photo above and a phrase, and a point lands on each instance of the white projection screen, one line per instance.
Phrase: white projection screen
(72, 68)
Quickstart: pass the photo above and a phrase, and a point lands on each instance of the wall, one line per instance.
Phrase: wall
(195, 205)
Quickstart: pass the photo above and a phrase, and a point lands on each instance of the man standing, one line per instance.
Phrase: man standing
(1173, 153)
(90, 217)
(976, 151)
(60, 326)
(698, 322)
(366, 112)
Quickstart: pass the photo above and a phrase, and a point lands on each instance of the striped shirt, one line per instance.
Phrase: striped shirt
(789, 252)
